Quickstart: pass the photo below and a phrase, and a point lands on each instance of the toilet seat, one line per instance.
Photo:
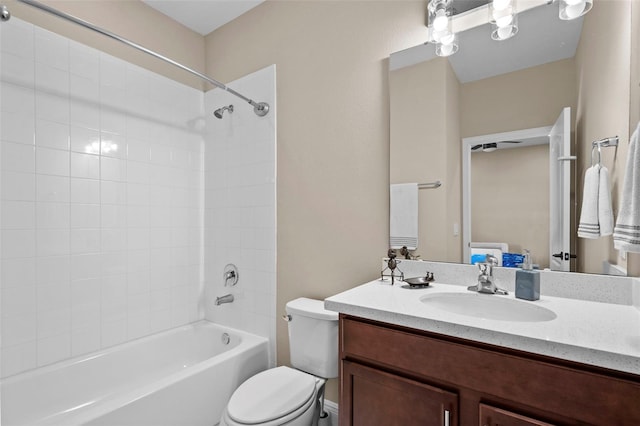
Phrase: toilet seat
(276, 395)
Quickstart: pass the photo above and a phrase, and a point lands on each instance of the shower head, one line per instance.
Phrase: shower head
(5, 15)
(218, 113)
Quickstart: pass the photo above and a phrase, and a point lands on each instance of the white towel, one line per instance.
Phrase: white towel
(626, 235)
(403, 216)
(589, 226)
(605, 211)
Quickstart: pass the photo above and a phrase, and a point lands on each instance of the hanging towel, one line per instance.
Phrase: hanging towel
(605, 211)
(589, 226)
(403, 216)
(626, 234)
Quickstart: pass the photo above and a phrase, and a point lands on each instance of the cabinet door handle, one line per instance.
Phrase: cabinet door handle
(446, 417)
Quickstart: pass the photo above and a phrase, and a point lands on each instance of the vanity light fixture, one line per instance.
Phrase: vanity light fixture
(439, 14)
(503, 18)
(572, 9)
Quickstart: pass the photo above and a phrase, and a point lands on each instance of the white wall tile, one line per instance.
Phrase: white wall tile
(18, 358)
(51, 49)
(53, 270)
(19, 300)
(81, 267)
(113, 169)
(52, 162)
(52, 107)
(84, 140)
(52, 215)
(52, 242)
(18, 39)
(52, 135)
(17, 243)
(85, 241)
(85, 216)
(17, 127)
(54, 348)
(18, 157)
(17, 215)
(18, 272)
(84, 61)
(52, 80)
(19, 329)
(17, 99)
(85, 166)
(17, 70)
(85, 191)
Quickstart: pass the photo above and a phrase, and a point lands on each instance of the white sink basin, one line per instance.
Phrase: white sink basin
(488, 306)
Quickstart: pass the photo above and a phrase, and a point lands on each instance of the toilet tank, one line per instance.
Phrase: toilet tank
(313, 337)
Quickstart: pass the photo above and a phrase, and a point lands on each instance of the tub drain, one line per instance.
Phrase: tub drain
(225, 339)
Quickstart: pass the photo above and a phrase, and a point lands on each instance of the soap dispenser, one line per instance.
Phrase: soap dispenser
(527, 280)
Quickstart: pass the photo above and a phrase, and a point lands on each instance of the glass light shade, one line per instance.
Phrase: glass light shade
(503, 18)
(504, 28)
(572, 9)
(439, 19)
(448, 45)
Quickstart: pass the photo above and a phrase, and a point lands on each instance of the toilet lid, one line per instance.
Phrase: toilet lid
(270, 395)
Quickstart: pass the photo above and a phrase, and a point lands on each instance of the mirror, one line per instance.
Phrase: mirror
(496, 87)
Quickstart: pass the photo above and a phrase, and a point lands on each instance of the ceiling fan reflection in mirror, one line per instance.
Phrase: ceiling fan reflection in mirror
(490, 147)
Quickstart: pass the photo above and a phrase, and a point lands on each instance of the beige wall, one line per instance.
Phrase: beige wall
(426, 148)
(130, 19)
(603, 61)
(333, 132)
(525, 99)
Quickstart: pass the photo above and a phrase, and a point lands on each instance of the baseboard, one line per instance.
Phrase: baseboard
(332, 408)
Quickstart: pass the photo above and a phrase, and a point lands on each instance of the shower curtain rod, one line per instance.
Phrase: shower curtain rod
(260, 108)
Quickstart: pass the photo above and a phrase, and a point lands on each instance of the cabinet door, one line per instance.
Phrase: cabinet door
(371, 397)
(492, 416)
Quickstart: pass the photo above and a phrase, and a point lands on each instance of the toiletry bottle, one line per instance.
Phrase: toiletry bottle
(527, 280)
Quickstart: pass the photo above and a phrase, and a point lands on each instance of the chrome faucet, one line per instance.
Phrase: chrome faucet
(227, 298)
(486, 283)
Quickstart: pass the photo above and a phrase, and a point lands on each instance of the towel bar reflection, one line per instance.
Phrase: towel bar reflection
(430, 185)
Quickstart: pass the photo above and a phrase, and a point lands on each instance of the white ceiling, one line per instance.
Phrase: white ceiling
(203, 16)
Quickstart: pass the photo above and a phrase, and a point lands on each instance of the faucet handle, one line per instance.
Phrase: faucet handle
(491, 260)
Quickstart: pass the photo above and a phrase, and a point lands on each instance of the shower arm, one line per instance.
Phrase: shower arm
(260, 108)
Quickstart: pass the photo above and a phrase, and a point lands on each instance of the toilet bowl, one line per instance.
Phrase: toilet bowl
(285, 395)
(279, 396)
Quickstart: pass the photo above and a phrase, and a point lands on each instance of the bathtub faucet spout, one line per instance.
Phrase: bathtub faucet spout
(227, 298)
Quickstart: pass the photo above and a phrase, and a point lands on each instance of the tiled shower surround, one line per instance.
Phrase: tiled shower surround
(102, 200)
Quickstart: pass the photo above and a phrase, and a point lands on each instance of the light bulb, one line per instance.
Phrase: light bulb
(448, 39)
(572, 9)
(441, 22)
(501, 4)
(504, 21)
(575, 10)
(504, 32)
(446, 49)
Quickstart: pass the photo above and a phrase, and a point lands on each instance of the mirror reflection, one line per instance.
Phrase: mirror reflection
(490, 88)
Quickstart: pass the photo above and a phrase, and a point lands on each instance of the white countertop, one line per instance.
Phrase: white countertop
(601, 334)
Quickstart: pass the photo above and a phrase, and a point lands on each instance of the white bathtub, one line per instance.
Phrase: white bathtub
(180, 377)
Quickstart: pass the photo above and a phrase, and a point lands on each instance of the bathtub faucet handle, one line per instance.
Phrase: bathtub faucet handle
(230, 275)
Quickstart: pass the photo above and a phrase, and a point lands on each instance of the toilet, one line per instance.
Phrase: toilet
(285, 395)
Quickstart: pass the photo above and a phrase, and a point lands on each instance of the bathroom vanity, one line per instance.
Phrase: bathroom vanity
(406, 361)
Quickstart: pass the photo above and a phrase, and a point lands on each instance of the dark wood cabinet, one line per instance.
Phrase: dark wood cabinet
(492, 416)
(392, 375)
(379, 398)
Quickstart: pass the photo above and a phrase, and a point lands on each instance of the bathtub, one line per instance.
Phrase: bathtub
(183, 376)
